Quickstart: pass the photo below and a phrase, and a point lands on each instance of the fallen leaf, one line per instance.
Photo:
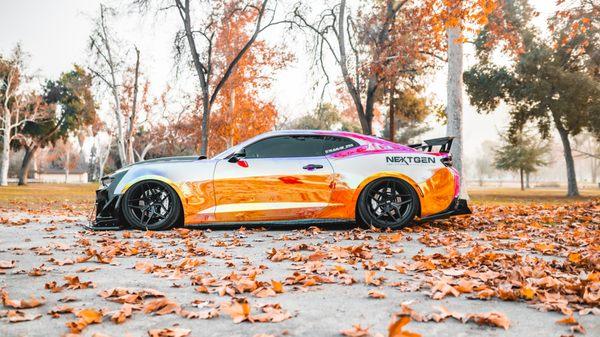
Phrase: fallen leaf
(356, 331)
(169, 332)
(395, 329)
(15, 316)
(7, 264)
(122, 314)
(376, 294)
(238, 309)
(32, 302)
(490, 318)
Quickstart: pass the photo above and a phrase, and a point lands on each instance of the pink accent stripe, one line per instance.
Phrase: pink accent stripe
(370, 140)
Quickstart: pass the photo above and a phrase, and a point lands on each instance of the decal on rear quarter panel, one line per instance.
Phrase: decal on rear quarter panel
(406, 160)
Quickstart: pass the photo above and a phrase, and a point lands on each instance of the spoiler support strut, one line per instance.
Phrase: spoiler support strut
(445, 143)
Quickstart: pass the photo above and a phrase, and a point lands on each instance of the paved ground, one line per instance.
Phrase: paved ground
(322, 309)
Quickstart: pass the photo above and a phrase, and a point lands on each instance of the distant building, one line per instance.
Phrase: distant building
(60, 176)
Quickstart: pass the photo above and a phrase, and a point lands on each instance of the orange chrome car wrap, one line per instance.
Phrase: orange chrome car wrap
(438, 192)
(279, 198)
(435, 195)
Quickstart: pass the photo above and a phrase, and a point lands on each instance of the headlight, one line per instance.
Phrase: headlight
(106, 180)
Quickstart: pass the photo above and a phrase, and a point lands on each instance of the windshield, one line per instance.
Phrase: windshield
(240, 146)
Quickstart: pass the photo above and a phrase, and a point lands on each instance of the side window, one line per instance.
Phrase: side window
(286, 146)
(335, 144)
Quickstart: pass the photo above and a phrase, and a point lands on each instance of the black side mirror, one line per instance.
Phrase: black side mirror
(237, 156)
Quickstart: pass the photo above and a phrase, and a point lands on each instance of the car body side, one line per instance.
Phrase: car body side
(276, 189)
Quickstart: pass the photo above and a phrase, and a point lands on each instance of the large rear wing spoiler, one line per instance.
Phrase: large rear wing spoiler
(445, 143)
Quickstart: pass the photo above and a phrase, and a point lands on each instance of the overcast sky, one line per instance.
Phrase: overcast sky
(55, 35)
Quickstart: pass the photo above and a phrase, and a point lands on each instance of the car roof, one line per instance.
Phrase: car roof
(357, 137)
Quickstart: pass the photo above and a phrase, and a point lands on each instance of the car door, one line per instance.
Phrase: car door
(279, 178)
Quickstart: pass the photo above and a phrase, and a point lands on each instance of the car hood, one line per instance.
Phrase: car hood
(166, 159)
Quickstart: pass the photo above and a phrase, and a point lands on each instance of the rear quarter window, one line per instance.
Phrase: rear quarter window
(333, 144)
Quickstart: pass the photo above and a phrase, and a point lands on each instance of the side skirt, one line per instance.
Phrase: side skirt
(274, 223)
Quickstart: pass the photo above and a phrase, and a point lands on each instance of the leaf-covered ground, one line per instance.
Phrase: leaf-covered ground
(515, 269)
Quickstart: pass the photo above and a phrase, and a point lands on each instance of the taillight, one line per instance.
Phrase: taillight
(447, 161)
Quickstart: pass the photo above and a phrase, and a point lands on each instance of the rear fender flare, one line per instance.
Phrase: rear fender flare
(387, 174)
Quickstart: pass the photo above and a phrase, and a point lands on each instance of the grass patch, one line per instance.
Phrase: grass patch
(505, 195)
(41, 195)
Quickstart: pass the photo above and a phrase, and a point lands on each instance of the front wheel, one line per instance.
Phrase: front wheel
(151, 205)
(388, 203)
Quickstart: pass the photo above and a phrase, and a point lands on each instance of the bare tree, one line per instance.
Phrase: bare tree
(133, 115)
(362, 53)
(197, 37)
(12, 110)
(109, 68)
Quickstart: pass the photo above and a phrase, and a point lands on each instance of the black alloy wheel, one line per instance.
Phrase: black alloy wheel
(151, 205)
(388, 203)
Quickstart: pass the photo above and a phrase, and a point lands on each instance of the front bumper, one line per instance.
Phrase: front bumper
(107, 215)
(457, 207)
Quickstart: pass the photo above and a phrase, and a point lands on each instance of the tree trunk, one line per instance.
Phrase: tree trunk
(67, 163)
(527, 180)
(133, 117)
(113, 87)
(594, 168)
(522, 182)
(27, 159)
(572, 190)
(232, 125)
(454, 108)
(5, 157)
(392, 114)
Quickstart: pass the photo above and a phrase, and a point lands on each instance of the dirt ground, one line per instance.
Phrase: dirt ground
(508, 270)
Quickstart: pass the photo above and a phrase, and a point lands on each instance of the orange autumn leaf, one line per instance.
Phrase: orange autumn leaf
(32, 302)
(490, 318)
(15, 316)
(169, 332)
(395, 329)
(7, 264)
(161, 306)
(356, 331)
(86, 317)
(376, 294)
(527, 293)
(569, 320)
(277, 286)
(238, 309)
(122, 314)
(574, 258)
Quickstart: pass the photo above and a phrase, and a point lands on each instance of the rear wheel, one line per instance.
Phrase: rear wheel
(388, 203)
(151, 205)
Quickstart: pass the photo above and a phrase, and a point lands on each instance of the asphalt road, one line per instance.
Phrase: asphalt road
(320, 310)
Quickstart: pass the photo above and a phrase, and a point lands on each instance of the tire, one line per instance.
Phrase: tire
(151, 205)
(387, 203)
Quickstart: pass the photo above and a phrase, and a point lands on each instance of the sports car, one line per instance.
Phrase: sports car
(287, 177)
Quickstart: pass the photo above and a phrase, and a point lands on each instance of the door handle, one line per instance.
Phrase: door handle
(311, 167)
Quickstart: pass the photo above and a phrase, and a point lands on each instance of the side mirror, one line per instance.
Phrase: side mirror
(237, 156)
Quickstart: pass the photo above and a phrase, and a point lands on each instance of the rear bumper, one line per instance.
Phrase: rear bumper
(457, 207)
